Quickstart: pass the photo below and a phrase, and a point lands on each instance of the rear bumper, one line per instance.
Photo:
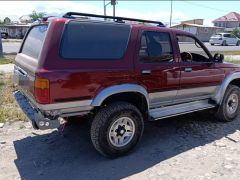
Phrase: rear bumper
(215, 41)
(34, 115)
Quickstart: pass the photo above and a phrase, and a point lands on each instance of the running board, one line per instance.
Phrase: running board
(169, 111)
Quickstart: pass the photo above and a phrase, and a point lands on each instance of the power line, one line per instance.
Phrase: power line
(204, 6)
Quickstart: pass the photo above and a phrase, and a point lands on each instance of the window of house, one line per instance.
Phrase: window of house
(156, 47)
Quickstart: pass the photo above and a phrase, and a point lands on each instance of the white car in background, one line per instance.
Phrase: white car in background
(224, 39)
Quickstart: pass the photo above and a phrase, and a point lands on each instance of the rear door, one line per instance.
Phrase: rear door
(156, 67)
(28, 57)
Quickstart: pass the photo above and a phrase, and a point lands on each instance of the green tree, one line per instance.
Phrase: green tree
(36, 15)
(236, 32)
(7, 20)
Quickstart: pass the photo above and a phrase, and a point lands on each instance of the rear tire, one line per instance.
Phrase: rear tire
(229, 108)
(238, 43)
(116, 129)
(212, 44)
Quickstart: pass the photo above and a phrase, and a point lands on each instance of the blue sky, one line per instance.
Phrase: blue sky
(155, 10)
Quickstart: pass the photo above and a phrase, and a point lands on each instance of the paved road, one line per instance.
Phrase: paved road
(222, 48)
(13, 47)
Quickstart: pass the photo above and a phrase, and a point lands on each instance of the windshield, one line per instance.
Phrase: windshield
(34, 41)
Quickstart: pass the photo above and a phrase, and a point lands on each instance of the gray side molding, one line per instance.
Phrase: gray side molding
(115, 89)
(218, 96)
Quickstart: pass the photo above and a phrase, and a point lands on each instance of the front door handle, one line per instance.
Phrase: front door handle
(188, 69)
(146, 72)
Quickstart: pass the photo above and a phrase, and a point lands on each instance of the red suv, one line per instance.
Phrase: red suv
(121, 74)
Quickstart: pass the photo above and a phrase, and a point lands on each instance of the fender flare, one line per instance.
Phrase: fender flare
(218, 96)
(116, 89)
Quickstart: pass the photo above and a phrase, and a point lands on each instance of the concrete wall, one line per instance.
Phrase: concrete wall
(14, 31)
(190, 29)
(194, 21)
(202, 33)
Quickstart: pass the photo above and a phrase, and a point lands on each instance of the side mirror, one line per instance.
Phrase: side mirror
(218, 58)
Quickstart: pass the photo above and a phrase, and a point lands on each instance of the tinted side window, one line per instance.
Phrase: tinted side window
(226, 35)
(34, 41)
(87, 40)
(156, 47)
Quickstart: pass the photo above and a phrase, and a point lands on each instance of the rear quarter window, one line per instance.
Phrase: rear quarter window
(34, 41)
(91, 40)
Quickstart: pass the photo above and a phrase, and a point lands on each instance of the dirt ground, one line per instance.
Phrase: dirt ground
(186, 147)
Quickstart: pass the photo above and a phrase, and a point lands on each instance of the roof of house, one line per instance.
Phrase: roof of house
(232, 16)
(195, 25)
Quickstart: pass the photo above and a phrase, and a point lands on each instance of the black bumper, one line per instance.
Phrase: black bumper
(34, 115)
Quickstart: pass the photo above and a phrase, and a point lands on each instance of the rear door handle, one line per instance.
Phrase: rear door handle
(146, 72)
(188, 69)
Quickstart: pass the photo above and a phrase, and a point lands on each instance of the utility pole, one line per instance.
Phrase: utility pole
(104, 7)
(1, 48)
(113, 10)
(170, 24)
(113, 3)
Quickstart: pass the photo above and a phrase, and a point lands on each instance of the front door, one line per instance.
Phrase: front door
(156, 68)
(199, 75)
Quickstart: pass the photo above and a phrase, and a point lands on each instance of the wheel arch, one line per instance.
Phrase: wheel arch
(128, 92)
(233, 79)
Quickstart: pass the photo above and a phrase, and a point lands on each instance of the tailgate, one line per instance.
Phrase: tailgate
(28, 58)
(24, 74)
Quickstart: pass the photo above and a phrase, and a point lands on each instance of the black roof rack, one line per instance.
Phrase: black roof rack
(115, 18)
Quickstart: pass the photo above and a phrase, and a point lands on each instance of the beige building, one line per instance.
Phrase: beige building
(15, 30)
(196, 27)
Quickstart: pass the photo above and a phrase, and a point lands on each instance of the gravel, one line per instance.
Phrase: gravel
(193, 146)
(6, 68)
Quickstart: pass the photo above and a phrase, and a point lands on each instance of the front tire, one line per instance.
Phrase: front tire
(212, 44)
(229, 108)
(116, 129)
(238, 43)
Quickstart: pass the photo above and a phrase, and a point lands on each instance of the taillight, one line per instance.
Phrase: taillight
(42, 90)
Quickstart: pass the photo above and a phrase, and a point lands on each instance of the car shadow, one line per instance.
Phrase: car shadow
(72, 156)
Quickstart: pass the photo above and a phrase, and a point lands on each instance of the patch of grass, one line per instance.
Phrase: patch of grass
(233, 61)
(5, 60)
(226, 52)
(9, 109)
